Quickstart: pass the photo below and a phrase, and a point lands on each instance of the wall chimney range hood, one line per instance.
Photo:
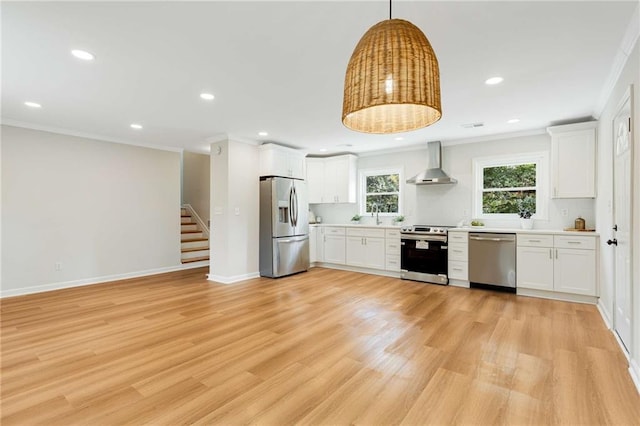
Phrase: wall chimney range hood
(434, 174)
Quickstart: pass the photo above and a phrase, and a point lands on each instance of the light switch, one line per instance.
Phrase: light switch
(237, 211)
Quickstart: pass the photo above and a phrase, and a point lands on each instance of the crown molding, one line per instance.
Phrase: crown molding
(629, 40)
(68, 132)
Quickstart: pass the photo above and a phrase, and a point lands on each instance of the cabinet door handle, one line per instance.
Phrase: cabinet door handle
(457, 269)
(550, 255)
(574, 242)
(556, 253)
(534, 241)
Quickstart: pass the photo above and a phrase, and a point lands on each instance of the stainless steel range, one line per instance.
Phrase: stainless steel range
(424, 253)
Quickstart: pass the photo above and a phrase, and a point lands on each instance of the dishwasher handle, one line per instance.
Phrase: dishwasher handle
(508, 239)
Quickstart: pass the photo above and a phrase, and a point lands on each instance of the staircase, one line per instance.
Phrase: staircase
(194, 241)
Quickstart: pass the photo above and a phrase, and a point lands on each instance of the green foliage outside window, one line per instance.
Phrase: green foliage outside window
(518, 176)
(506, 188)
(383, 190)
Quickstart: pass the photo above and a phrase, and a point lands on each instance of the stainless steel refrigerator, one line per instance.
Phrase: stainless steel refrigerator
(284, 226)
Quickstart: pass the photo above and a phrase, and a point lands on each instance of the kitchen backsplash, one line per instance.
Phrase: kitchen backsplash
(451, 204)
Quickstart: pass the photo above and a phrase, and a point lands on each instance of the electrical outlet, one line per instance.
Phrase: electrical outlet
(564, 212)
(237, 211)
(58, 266)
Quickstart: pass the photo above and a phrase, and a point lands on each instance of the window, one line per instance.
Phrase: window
(381, 188)
(503, 184)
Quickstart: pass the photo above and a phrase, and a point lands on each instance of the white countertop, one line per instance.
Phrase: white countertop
(524, 231)
(357, 225)
(470, 229)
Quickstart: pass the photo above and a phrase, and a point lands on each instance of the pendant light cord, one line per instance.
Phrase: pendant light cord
(389, 9)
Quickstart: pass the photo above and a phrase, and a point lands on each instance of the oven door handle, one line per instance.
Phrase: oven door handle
(441, 239)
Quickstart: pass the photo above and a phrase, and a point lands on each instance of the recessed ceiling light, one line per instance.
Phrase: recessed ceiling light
(494, 80)
(83, 54)
(207, 96)
(323, 149)
(513, 120)
(33, 104)
(136, 126)
(263, 134)
(399, 138)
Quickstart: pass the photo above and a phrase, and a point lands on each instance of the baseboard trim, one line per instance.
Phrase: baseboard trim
(220, 279)
(565, 297)
(459, 283)
(634, 372)
(381, 272)
(604, 314)
(98, 280)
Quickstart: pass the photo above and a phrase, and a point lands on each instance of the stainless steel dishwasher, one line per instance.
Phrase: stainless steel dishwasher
(492, 260)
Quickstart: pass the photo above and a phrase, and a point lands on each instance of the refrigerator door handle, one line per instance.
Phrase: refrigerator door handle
(291, 206)
(295, 206)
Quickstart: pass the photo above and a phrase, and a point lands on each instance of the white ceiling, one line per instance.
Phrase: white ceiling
(279, 67)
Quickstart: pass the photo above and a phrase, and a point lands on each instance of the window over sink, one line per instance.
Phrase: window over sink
(381, 188)
(502, 184)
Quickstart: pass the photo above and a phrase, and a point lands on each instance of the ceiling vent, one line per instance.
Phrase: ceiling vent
(472, 125)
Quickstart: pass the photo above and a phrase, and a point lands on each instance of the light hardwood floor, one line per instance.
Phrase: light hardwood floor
(323, 347)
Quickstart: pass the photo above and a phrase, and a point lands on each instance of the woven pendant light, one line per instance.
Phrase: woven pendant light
(392, 82)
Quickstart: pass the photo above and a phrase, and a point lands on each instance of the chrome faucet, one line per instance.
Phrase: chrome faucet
(377, 210)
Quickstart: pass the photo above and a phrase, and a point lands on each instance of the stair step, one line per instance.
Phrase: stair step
(185, 215)
(190, 231)
(190, 240)
(195, 259)
(188, 249)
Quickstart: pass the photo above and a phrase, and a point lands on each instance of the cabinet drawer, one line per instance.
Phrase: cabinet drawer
(365, 232)
(458, 270)
(458, 237)
(392, 246)
(459, 252)
(569, 241)
(392, 233)
(392, 262)
(528, 240)
(333, 230)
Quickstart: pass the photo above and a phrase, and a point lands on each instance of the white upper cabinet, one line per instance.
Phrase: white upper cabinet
(276, 160)
(315, 179)
(332, 179)
(573, 160)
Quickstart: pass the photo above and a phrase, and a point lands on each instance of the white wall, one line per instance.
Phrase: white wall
(449, 204)
(196, 183)
(630, 75)
(99, 209)
(235, 207)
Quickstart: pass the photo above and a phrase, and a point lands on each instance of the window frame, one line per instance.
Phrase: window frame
(364, 173)
(540, 159)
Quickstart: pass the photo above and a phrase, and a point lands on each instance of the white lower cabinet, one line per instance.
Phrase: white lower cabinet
(392, 250)
(535, 268)
(313, 244)
(458, 270)
(371, 248)
(334, 245)
(366, 247)
(574, 271)
(551, 263)
(458, 254)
